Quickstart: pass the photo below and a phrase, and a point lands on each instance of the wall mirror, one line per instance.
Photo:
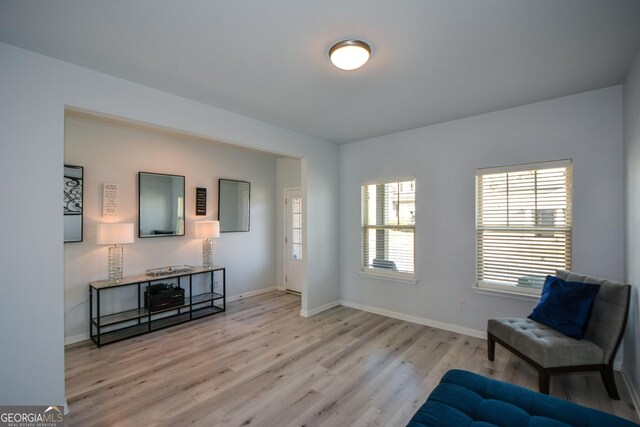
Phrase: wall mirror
(161, 205)
(72, 203)
(233, 205)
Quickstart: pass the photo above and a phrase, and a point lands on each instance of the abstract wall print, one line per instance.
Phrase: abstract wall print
(72, 203)
(72, 196)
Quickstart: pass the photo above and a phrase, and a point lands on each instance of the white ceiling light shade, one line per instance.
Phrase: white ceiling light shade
(349, 55)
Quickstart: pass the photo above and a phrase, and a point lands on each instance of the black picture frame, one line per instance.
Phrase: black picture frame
(73, 203)
(201, 201)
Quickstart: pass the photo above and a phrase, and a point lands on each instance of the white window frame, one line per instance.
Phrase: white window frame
(382, 274)
(483, 286)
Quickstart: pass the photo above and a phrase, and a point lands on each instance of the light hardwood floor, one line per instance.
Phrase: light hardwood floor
(261, 364)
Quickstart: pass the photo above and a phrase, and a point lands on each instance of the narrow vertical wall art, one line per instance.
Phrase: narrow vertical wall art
(72, 202)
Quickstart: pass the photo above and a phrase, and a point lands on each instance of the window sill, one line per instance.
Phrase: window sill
(388, 278)
(506, 294)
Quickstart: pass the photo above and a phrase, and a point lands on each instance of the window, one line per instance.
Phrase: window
(296, 227)
(388, 228)
(523, 225)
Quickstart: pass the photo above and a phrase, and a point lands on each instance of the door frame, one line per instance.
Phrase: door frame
(285, 256)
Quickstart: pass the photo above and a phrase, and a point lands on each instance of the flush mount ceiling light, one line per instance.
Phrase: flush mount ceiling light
(349, 54)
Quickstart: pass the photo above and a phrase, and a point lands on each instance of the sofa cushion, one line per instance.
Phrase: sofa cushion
(543, 344)
(565, 306)
(466, 399)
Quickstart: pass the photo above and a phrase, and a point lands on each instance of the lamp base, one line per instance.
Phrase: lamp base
(115, 263)
(207, 261)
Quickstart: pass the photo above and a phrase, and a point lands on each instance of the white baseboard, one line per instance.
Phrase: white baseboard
(313, 312)
(76, 338)
(401, 316)
(635, 396)
(419, 320)
(251, 293)
(280, 288)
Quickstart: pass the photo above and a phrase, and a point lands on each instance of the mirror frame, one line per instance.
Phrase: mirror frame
(184, 196)
(81, 214)
(220, 219)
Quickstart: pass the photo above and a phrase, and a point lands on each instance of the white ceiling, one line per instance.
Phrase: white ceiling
(432, 60)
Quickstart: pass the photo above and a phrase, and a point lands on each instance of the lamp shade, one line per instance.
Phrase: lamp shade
(207, 229)
(115, 233)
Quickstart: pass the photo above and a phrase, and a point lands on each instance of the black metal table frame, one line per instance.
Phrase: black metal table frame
(94, 322)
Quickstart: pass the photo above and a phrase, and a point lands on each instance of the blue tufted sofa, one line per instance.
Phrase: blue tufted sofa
(466, 399)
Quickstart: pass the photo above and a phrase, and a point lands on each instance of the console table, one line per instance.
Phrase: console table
(113, 319)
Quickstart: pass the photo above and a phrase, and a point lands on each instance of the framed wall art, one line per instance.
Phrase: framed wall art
(201, 201)
(72, 203)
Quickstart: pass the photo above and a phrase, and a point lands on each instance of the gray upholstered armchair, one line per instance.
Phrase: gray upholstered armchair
(551, 352)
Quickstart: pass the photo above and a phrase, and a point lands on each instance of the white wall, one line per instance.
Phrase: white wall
(115, 154)
(288, 176)
(34, 91)
(586, 128)
(632, 220)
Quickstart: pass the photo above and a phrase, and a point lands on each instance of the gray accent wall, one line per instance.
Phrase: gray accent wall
(586, 128)
(632, 180)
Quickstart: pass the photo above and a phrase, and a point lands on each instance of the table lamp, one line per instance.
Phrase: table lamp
(115, 234)
(207, 230)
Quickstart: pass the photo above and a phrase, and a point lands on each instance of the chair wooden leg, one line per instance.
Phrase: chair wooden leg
(543, 381)
(491, 347)
(606, 372)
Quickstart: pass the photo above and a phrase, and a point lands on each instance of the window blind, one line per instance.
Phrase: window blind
(523, 224)
(388, 227)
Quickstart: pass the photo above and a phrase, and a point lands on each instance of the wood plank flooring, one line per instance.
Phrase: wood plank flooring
(261, 364)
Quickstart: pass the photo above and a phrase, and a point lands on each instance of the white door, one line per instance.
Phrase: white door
(293, 240)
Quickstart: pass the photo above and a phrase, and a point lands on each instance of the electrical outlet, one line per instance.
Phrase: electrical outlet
(462, 304)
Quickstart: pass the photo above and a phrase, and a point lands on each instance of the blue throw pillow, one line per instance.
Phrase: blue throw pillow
(565, 306)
